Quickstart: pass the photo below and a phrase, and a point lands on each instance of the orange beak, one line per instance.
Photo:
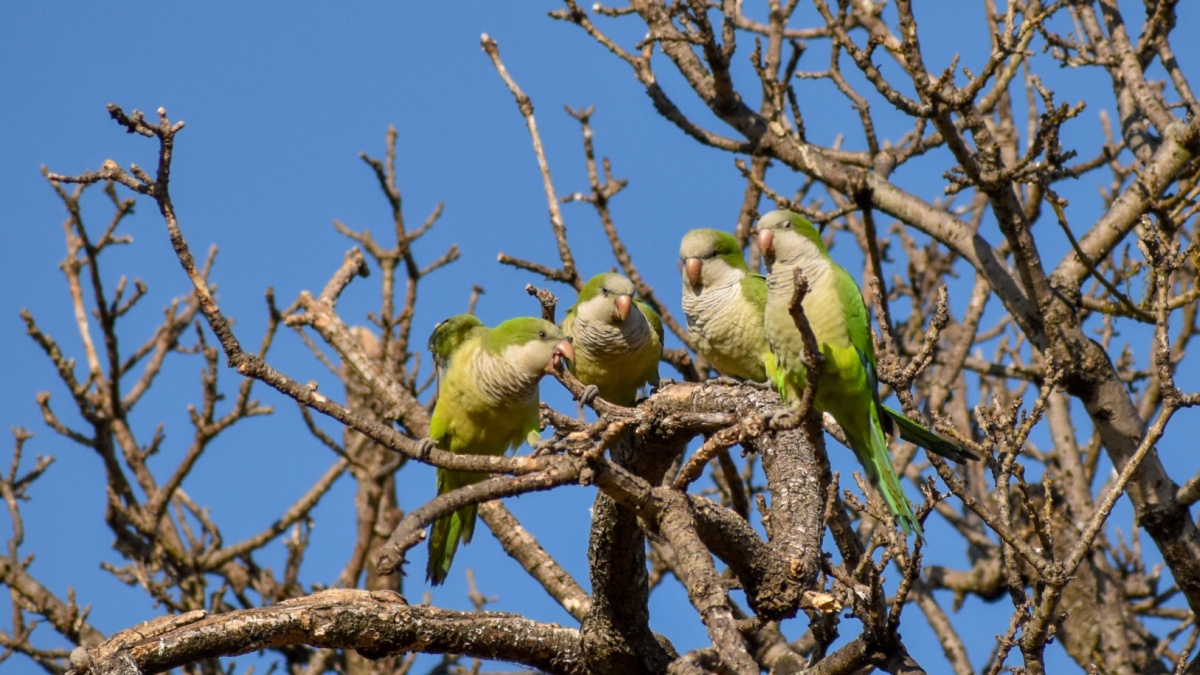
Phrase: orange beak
(691, 267)
(624, 304)
(563, 351)
(766, 243)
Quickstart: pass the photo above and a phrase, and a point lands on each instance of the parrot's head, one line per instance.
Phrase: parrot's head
(708, 255)
(534, 346)
(788, 237)
(606, 298)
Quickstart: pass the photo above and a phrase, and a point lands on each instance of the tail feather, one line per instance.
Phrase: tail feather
(789, 383)
(918, 435)
(872, 453)
(887, 483)
(447, 533)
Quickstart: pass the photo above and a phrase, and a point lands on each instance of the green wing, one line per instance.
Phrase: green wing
(859, 327)
(651, 375)
(652, 317)
(754, 290)
(568, 323)
(450, 333)
(930, 440)
(447, 336)
(858, 321)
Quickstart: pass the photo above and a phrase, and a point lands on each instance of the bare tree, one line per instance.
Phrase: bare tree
(1031, 345)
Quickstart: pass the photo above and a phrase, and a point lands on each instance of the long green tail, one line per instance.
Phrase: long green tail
(885, 480)
(918, 435)
(450, 530)
(872, 452)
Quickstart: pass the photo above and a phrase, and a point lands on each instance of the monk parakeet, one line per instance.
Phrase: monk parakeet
(616, 348)
(724, 303)
(487, 403)
(847, 388)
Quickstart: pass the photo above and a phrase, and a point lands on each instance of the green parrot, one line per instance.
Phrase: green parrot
(848, 388)
(616, 349)
(487, 403)
(724, 303)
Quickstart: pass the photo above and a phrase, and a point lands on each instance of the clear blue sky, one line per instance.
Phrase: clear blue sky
(279, 99)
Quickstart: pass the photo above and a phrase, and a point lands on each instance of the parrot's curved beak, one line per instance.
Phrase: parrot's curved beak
(766, 243)
(624, 304)
(563, 351)
(691, 267)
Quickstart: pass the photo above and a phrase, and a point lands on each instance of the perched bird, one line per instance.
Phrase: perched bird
(848, 387)
(616, 348)
(487, 403)
(724, 303)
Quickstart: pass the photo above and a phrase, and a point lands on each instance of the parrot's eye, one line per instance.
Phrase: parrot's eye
(542, 334)
(604, 290)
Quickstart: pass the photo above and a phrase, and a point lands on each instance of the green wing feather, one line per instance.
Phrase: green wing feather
(754, 289)
(568, 322)
(930, 440)
(651, 375)
(447, 336)
(892, 420)
(450, 334)
(652, 317)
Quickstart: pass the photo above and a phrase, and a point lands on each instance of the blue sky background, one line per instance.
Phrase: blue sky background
(279, 99)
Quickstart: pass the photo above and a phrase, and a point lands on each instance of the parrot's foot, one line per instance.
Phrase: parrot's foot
(783, 419)
(585, 399)
(725, 379)
(589, 394)
(542, 447)
(424, 447)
